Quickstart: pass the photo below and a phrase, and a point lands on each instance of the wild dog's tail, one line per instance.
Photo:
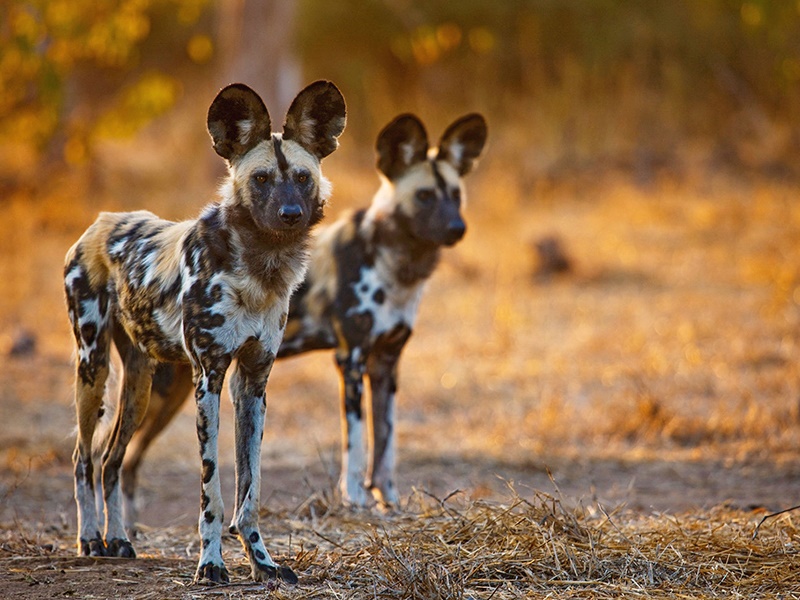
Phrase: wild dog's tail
(105, 423)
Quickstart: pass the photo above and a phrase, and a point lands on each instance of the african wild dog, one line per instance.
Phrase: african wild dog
(361, 294)
(204, 292)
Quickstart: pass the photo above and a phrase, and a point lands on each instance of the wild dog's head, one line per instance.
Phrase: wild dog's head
(276, 178)
(423, 189)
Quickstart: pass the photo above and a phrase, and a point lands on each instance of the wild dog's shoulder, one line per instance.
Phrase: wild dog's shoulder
(342, 249)
(346, 232)
(208, 240)
(337, 253)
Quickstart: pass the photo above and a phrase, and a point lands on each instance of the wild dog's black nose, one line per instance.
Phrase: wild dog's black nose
(455, 231)
(290, 213)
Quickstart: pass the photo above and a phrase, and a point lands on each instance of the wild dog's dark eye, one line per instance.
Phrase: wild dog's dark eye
(425, 196)
(302, 177)
(260, 178)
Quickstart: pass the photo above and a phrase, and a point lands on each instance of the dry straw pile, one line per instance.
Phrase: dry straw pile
(450, 549)
(538, 547)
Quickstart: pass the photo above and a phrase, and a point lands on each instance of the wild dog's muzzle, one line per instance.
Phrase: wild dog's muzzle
(455, 230)
(290, 214)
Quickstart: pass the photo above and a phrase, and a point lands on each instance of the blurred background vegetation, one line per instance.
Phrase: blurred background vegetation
(569, 86)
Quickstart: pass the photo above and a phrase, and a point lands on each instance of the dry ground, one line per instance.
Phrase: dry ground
(615, 431)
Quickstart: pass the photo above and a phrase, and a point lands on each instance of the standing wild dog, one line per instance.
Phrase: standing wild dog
(205, 292)
(360, 297)
(365, 281)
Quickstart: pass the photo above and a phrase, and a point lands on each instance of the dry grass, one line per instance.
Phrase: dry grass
(544, 547)
(454, 549)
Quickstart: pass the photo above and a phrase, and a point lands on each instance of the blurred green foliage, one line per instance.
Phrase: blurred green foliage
(77, 68)
(594, 74)
(578, 77)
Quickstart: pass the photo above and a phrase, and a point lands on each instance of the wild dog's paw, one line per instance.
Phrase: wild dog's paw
(357, 498)
(211, 573)
(385, 497)
(262, 572)
(93, 547)
(287, 575)
(121, 548)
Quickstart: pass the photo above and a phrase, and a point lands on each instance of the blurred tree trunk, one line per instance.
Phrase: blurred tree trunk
(255, 38)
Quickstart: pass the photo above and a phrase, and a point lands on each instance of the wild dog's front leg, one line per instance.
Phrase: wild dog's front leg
(351, 376)
(382, 374)
(381, 456)
(208, 384)
(247, 387)
(132, 407)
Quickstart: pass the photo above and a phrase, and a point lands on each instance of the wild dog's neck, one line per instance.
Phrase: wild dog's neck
(410, 259)
(260, 241)
(274, 259)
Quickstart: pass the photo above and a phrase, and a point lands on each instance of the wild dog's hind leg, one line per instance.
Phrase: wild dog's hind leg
(247, 388)
(351, 376)
(88, 307)
(135, 394)
(172, 384)
(382, 374)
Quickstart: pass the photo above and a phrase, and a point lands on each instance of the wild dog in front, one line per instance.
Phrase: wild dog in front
(206, 292)
(361, 294)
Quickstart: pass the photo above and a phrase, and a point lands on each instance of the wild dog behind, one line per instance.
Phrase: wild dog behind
(206, 293)
(361, 295)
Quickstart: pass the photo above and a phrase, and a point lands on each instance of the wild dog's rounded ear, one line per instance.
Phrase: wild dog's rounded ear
(463, 142)
(237, 121)
(401, 144)
(316, 118)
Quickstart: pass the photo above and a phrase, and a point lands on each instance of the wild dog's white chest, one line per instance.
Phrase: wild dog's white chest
(266, 326)
(252, 311)
(242, 310)
(389, 303)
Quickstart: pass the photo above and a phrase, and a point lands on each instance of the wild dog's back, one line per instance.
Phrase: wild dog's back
(146, 250)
